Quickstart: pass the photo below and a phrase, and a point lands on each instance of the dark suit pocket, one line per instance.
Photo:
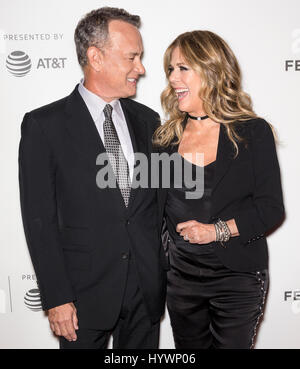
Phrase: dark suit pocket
(79, 260)
(75, 238)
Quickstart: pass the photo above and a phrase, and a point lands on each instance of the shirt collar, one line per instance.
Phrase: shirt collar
(95, 103)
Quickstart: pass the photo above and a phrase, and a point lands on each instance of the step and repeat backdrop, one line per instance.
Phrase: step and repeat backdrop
(38, 65)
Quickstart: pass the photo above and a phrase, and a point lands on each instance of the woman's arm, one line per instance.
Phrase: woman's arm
(267, 208)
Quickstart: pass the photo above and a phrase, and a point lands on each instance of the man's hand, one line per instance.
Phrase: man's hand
(63, 321)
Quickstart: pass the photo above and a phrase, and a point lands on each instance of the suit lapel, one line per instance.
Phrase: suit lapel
(130, 120)
(82, 129)
(225, 155)
(85, 136)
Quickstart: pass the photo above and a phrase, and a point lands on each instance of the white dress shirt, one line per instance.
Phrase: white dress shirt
(95, 106)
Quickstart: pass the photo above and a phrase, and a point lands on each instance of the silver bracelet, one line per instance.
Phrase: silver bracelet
(223, 233)
(218, 231)
(226, 231)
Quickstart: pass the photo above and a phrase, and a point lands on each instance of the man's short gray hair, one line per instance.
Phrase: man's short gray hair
(92, 29)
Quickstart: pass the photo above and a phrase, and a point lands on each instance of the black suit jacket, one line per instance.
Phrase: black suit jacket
(79, 236)
(248, 189)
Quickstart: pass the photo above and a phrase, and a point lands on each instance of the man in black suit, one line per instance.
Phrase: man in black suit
(96, 251)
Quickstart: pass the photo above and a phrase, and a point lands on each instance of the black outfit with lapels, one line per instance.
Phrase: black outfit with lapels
(216, 292)
(86, 246)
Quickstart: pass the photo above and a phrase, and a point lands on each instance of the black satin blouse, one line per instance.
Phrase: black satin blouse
(180, 209)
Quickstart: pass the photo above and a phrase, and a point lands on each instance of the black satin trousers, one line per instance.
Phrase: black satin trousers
(211, 306)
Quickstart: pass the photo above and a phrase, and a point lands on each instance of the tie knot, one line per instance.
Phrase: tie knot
(107, 111)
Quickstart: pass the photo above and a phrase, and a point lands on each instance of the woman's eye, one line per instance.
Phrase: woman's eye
(170, 70)
(183, 68)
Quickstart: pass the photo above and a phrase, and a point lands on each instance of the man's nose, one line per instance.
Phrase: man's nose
(140, 67)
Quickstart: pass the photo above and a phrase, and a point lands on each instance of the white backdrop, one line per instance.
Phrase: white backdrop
(263, 34)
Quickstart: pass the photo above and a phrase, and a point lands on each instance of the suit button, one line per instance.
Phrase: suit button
(124, 256)
(127, 222)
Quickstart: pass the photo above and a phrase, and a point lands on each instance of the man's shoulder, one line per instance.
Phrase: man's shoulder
(49, 110)
(47, 117)
(137, 107)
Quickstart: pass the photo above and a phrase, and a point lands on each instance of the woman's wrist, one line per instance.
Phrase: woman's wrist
(225, 230)
(214, 236)
(233, 228)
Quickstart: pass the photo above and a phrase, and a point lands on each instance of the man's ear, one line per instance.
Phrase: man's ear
(95, 58)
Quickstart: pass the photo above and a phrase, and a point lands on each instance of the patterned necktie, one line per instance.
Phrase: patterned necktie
(116, 155)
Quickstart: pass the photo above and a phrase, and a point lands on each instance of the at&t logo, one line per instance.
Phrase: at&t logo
(18, 63)
(32, 300)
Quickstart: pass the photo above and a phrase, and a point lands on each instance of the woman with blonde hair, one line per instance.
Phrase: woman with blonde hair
(218, 275)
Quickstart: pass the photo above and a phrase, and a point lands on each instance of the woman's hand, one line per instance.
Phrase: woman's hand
(196, 232)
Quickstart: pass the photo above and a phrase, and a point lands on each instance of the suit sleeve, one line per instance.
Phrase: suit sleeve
(39, 214)
(268, 209)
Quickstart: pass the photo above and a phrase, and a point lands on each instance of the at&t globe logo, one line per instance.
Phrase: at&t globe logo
(32, 300)
(18, 63)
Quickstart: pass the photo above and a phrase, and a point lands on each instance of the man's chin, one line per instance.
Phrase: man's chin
(130, 93)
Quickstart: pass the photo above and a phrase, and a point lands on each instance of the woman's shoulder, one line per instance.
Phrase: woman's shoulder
(253, 128)
(251, 123)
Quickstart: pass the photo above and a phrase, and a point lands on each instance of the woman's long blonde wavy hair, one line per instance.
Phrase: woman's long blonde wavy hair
(223, 99)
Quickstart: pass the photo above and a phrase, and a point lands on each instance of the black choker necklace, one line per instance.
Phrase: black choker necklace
(197, 118)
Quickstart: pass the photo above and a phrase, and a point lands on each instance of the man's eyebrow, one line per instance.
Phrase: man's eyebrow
(132, 53)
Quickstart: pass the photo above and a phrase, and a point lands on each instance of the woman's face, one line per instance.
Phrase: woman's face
(186, 84)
